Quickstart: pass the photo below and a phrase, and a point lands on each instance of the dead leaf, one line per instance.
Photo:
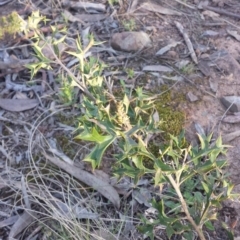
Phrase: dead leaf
(102, 175)
(159, 9)
(20, 95)
(231, 119)
(231, 136)
(210, 33)
(156, 117)
(23, 221)
(203, 4)
(18, 105)
(48, 49)
(210, 14)
(9, 221)
(84, 5)
(213, 85)
(99, 185)
(199, 129)
(5, 2)
(167, 48)
(182, 63)
(102, 234)
(157, 68)
(174, 78)
(133, 6)
(142, 196)
(204, 68)
(83, 213)
(91, 17)
(85, 36)
(70, 17)
(234, 34)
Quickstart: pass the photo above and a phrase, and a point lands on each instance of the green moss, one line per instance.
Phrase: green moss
(66, 146)
(65, 142)
(9, 25)
(129, 25)
(70, 120)
(171, 119)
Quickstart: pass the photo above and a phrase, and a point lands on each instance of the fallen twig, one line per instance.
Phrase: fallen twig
(187, 40)
(185, 4)
(221, 11)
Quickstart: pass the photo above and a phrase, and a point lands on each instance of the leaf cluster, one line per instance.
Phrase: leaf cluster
(191, 180)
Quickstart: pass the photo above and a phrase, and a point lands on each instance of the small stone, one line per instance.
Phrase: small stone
(205, 56)
(192, 97)
(231, 102)
(204, 68)
(172, 54)
(130, 41)
(213, 85)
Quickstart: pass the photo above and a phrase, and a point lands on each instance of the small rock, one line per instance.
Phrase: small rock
(213, 85)
(130, 41)
(182, 63)
(192, 97)
(231, 102)
(172, 54)
(205, 56)
(204, 68)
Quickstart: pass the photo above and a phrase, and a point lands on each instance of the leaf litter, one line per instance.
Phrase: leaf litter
(96, 18)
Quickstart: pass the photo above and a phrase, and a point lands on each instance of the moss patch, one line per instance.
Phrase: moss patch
(171, 119)
(9, 25)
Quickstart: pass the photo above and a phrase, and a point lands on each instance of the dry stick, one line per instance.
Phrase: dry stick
(185, 208)
(15, 122)
(187, 40)
(185, 4)
(221, 11)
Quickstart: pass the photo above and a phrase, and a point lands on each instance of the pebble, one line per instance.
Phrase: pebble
(130, 41)
(192, 97)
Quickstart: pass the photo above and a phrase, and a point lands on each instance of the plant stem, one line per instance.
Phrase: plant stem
(82, 87)
(185, 208)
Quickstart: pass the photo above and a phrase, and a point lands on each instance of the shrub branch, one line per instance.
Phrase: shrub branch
(185, 208)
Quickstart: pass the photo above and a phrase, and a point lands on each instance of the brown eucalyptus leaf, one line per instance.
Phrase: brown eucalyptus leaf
(18, 105)
(9, 221)
(102, 234)
(204, 68)
(167, 48)
(231, 136)
(159, 9)
(23, 221)
(70, 17)
(90, 17)
(210, 14)
(231, 119)
(98, 184)
(234, 34)
(157, 68)
(84, 5)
